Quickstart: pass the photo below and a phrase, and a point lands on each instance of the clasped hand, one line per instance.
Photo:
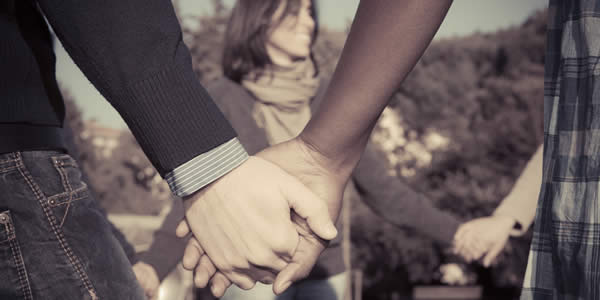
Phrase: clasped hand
(260, 223)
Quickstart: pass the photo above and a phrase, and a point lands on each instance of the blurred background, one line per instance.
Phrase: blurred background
(460, 130)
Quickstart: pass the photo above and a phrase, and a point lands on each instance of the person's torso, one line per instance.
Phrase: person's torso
(31, 107)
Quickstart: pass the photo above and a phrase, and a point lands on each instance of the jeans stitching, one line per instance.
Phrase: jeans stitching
(77, 198)
(59, 166)
(8, 160)
(6, 169)
(76, 193)
(73, 259)
(20, 263)
(63, 176)
(15, 250)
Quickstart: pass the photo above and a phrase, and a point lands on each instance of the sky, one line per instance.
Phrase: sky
(464, 18)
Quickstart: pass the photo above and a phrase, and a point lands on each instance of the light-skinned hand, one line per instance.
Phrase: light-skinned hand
(323, 178)
(304, 163)
(242, 222)
(148, 279)
(485, 236)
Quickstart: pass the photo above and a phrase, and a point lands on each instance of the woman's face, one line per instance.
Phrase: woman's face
(291, 38)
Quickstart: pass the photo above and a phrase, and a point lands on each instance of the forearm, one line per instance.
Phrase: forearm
(521, 202)
(133, 53)
(386, 40)
(399, 204)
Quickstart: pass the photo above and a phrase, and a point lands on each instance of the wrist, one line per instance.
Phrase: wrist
(506, 221)
(337, 164)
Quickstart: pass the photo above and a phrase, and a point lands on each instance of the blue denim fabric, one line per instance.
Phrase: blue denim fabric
(55, 243)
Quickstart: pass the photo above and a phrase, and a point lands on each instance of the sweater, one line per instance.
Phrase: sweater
(131, 51)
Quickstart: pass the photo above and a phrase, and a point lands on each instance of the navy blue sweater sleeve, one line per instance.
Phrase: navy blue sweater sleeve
(133, 53)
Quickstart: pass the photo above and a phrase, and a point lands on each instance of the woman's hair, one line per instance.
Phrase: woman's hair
(247, 34)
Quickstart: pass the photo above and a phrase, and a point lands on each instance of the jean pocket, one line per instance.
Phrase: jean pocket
(74, 189)
(14, 282)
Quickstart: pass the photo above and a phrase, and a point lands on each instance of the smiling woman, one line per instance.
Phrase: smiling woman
(291, 35)
(273, 33)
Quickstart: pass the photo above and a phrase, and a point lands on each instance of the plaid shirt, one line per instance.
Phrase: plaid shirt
(564, 260)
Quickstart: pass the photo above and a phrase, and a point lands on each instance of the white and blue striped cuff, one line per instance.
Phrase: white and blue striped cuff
(206, 168)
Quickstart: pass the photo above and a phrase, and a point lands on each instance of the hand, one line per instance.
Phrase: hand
(486, 235)
(309, 249)
(322, 177)
(195, 259)
(308, 166)
(242, 221)
(148, 279)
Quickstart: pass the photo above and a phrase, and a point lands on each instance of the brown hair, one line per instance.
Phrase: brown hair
(246, 35)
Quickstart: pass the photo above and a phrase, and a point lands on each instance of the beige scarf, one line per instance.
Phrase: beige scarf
(283, 96)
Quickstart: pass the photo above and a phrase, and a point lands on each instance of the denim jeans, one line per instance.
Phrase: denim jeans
(55, 243)
(331, 288)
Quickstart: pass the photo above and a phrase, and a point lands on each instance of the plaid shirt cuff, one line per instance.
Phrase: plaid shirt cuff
(206, 168)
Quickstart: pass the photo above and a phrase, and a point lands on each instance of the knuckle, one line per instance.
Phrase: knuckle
(262, 259)
(206, 265)
(241, 280)
(285, 241)
(239, 263)
(226, 268)
(234, 262)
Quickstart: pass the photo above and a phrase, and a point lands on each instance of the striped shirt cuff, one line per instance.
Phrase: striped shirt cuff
(206, 168)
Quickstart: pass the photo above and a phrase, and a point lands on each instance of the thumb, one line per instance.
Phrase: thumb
(182, 229)
(311, 208)
(296, 270)
(302, 263)
(490, 256)
(286, 277)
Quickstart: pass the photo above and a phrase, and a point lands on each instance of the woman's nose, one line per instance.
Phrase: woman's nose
(307, 20)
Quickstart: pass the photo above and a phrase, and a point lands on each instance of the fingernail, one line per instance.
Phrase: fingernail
(214, 289)
(200, 280)
(332, 231)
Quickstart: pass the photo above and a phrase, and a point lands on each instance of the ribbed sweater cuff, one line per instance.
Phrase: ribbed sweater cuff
(173, 118)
